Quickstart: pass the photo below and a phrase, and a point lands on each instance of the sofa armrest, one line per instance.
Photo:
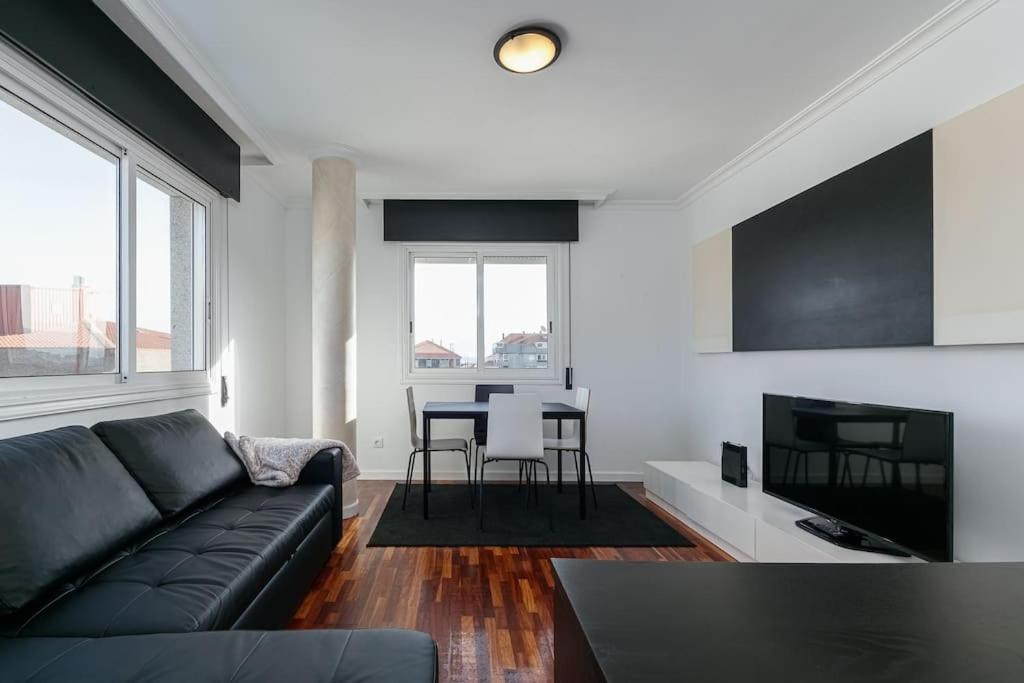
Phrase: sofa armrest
(325, 468)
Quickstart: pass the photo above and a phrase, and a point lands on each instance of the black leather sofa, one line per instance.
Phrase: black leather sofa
(127, 551)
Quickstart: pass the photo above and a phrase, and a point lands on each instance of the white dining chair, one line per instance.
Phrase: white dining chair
(480, 394)
(570, 440)
(515, 431)
(435, 445)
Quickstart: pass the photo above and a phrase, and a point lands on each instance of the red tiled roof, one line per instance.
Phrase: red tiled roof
(152, 339)
(525, 337)
(428, 349)
(144, 338)
(81, 338)
(84, 337)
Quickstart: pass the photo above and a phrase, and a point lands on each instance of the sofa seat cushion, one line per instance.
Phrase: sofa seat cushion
(178, 458)
(56, 516)
(196, 573)
(370, 656)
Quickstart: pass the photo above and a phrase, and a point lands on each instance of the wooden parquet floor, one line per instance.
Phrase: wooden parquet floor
(489, 609)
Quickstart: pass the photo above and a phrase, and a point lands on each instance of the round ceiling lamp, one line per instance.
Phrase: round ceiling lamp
(527, 49)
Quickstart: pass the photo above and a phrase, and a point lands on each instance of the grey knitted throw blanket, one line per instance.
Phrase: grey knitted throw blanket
(278, 462)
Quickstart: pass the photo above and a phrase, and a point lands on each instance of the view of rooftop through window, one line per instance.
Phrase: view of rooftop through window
(58, 264)
(59, 261)
(515, 315)
(515, 312)
(445, 312)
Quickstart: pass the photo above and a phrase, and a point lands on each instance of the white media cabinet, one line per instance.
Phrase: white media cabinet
(745, 522)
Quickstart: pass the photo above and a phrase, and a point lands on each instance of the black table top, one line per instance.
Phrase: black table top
(471, 409)
(670, 621)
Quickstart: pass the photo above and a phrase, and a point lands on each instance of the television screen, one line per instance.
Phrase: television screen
(881, 470)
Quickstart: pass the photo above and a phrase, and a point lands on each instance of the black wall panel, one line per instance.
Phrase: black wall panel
(80, 43)
(461, 220)
(845, 264)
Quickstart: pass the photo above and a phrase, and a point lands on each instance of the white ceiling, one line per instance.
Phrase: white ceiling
(648, 98)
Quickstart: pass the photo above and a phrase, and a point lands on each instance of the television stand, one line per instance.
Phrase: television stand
(746, 523)
(845, 537)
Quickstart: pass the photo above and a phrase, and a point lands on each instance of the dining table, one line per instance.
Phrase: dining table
(473, 410)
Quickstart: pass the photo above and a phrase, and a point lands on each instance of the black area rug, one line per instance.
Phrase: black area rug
(618, 521)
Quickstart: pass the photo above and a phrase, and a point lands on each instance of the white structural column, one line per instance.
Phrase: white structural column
(334, 301)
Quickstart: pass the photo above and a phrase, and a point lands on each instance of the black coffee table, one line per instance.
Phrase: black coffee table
(813, 623)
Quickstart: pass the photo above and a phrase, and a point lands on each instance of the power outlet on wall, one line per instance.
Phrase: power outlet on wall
(378, 442)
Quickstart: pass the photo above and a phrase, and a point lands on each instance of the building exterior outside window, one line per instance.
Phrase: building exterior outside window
(520, 350)
(430, 354)
(56, 331)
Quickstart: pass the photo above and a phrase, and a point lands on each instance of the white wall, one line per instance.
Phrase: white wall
(627, 288)
(299, 322)
(256, 324)
(258, 304)
(627, 291)
(983, 386)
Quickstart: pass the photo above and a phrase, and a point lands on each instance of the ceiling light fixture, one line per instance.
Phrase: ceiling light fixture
(527, 49)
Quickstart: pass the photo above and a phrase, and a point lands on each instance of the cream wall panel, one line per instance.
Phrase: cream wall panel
(712, 294)
(979, 224)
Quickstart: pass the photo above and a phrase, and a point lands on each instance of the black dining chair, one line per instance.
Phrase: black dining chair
(482, 394)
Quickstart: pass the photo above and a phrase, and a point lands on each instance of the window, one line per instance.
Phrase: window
(515, 310)
(110, 257)
(482, 311)
(58, 264)
(445, 314)
(170, 281)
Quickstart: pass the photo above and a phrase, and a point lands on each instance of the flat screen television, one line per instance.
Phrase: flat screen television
(879, 478)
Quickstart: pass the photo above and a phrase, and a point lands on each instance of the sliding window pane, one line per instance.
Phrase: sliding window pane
(516, 323)
(170, 308)
(58, 250)
(444, 315)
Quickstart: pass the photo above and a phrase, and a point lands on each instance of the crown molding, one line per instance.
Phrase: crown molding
(954, 16)
(595, 198)
(641, 205)
(163, 29)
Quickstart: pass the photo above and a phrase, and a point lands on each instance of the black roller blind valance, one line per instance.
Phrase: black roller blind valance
(75, 39)
(456, 220)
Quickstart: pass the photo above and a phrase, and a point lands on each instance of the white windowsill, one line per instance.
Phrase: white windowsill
(24, 405)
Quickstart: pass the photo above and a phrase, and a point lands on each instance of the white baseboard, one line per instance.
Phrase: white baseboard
(492, 475)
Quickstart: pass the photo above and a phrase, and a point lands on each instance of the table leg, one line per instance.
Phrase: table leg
(583, 468)
(559, 457)
(426, 467)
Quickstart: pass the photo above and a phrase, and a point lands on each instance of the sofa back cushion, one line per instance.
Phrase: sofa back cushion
(66, 504)
(177, 458)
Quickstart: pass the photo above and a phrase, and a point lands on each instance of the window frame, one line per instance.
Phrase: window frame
(47, 99)
(556, 254)
(144, 174)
